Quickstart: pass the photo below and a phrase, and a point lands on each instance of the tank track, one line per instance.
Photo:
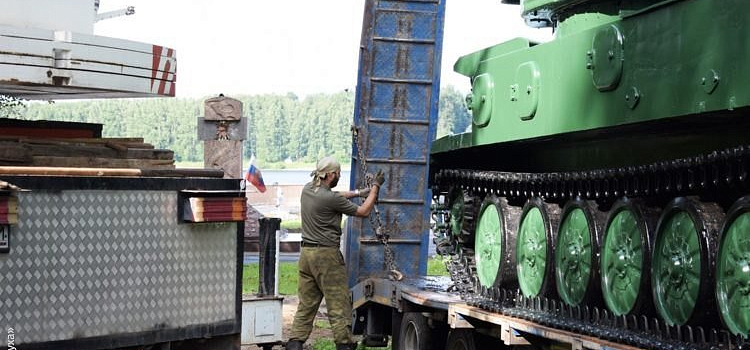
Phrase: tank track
(717, 174)
(718, 170)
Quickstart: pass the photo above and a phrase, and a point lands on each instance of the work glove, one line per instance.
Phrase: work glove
(380, 178)
(364, 192)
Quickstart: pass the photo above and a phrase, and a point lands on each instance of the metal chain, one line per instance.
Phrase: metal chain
(375, 220)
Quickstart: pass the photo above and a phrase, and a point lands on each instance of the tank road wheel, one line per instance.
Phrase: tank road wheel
(625, 256)
(462, 215)
(534, 248)
(576, 262)
(733, 269)
(680, 270)
(494, 243)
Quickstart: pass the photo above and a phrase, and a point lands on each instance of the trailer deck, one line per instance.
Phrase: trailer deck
(430, 295)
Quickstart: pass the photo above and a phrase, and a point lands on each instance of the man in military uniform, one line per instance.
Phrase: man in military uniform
(322, 272)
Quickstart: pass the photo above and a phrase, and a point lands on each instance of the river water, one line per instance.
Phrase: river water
(298, 177)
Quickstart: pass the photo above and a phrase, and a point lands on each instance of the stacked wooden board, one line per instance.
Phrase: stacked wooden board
(8, 210)
(83, 152)
(214, 209)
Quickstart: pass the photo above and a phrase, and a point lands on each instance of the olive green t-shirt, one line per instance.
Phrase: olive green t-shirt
(321, 215)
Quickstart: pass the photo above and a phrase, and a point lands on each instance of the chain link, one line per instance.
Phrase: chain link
(381, 232)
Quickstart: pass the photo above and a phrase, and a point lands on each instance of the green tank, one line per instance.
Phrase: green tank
(608, 167)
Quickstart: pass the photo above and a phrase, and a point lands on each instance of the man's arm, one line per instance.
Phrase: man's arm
(355, 193)
(366, 207)
(364, 192)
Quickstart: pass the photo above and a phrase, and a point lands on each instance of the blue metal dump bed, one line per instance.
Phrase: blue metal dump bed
(396, 118)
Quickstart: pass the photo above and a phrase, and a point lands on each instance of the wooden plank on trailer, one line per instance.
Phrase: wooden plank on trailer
(509, 336)
(14, 152)
(110, 150)
(520, 326)
(95, 162)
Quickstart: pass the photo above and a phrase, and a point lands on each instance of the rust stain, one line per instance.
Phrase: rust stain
(393, 143)
(402, 61)
(401, 144)
(404, 29)
(405, 26)
(400, 102)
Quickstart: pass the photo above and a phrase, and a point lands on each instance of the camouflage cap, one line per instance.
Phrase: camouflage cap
(325, 165)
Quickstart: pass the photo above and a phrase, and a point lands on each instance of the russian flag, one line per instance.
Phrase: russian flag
(254, 176)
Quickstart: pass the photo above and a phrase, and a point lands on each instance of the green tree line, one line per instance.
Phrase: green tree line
(280, 127)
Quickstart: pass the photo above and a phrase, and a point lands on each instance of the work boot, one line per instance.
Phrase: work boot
(293, 345)
(352, 346)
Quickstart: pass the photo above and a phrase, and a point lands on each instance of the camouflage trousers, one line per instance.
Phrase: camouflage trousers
(322, 273)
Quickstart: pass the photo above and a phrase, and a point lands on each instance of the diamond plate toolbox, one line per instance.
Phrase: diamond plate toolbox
(104, 263)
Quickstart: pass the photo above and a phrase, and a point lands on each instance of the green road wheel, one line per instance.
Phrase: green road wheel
(679, 270)
(733, 270)
(624, 257)
(495, 243)
(534, 249)
(488, 243)
(575, 254)
(532, 253)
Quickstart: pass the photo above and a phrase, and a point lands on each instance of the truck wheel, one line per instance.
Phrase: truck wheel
(415, 332)
(461, 339)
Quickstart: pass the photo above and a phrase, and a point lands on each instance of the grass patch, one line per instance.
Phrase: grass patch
(436, 267)
(288, 276)
(324, 344)
(291, 224)
(327, 344)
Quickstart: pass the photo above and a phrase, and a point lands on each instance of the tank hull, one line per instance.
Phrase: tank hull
(639, 113)
(668, 74)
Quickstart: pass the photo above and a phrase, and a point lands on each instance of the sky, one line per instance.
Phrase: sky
(278, 46)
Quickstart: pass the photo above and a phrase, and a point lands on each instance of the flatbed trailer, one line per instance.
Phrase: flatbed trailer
(385, 302)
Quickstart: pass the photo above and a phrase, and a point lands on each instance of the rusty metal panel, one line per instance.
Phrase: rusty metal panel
(396, 118)
(406, 102)
(398, 142)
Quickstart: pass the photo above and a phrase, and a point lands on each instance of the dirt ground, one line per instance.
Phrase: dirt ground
(288, 309)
